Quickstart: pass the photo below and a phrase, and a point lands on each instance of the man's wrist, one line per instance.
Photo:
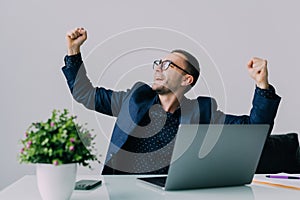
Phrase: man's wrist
(73, 51)
(263, 86)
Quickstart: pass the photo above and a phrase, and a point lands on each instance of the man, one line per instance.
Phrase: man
(148, 117)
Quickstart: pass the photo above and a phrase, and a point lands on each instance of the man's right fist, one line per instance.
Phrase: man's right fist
(75, 38)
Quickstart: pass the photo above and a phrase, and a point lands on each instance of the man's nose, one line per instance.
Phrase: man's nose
(158, 68)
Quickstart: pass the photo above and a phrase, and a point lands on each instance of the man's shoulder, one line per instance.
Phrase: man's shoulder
(139, 84)
(141, 87)
(202, 101)
(141, 90)
(207, 101)
(204, 98)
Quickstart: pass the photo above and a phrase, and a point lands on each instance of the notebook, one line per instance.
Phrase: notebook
(213, 156)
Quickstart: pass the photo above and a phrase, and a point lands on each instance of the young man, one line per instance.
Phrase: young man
(148, 117)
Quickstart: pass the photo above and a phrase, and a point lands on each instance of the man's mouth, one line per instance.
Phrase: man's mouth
(159, 81)
(158, 78)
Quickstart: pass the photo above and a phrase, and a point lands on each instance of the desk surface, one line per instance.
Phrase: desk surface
(127, 187)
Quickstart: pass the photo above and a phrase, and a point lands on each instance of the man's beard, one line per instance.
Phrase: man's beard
(160, 89)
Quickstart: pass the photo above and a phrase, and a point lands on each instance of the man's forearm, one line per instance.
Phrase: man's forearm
(264, 107)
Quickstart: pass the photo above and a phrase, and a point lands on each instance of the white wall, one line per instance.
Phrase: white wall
(32, 47)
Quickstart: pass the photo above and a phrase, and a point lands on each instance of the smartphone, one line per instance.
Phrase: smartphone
(87, 184)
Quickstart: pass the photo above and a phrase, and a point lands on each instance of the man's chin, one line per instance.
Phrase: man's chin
(156, 86)
(160, 89)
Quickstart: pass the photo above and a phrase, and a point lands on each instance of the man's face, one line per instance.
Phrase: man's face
(166, 81)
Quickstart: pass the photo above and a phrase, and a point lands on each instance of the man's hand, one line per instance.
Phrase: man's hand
(75, 38)
(257, 69)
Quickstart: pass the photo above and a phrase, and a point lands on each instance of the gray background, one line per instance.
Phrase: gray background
(123, 39)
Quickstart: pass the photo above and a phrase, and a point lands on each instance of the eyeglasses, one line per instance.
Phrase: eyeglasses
(164, 65)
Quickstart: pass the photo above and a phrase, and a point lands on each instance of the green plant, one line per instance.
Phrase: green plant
(59, 140)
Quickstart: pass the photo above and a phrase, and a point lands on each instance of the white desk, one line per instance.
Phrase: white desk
(127, 187)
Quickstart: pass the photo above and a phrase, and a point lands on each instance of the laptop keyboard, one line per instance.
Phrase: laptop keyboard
(160, 181)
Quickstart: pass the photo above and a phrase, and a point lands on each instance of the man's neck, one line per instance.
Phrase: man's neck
(169, 102)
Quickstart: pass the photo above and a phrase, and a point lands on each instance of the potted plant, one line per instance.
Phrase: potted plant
(57, 146)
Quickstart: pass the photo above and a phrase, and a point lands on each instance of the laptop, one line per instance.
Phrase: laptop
(207, 156)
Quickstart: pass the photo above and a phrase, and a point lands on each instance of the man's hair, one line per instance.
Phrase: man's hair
(192, 64)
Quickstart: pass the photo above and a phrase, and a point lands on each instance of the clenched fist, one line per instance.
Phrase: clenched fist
(257, 69)
(75, 38)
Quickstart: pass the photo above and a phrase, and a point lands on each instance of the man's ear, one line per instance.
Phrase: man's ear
(187, 80)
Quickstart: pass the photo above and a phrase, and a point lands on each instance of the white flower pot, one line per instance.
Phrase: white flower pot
(56, 182)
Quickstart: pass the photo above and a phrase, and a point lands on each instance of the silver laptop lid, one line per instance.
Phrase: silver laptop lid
(215, 155)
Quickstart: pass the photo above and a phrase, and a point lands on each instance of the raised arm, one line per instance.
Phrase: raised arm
(95, 98)
(265, 101)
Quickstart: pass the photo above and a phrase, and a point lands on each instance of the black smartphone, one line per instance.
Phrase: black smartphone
(87, 184)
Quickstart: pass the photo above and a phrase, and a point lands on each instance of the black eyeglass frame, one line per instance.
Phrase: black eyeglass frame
(160, 62)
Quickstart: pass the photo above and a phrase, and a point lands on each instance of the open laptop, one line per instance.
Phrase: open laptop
(213, 156)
